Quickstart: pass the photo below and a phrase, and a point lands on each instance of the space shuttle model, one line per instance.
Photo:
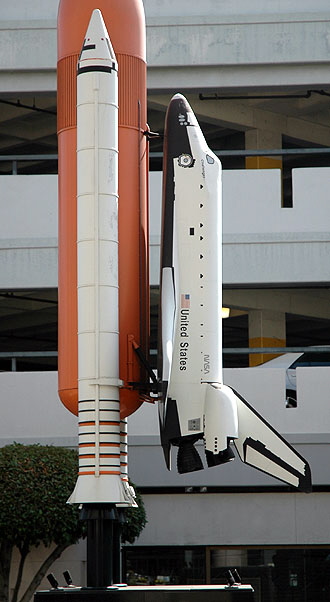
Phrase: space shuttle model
(195, 404)
(103, 268)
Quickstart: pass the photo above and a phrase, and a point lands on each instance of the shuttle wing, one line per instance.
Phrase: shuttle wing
(260, 446)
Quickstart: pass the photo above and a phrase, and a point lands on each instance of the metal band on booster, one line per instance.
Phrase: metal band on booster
(96, 68)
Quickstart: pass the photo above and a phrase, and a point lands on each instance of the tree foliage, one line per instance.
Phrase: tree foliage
(35, 483)
(136, 519)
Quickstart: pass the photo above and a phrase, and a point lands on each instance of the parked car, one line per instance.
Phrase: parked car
(290, 361)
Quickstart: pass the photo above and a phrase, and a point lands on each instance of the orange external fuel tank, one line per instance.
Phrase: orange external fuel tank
(125, 22)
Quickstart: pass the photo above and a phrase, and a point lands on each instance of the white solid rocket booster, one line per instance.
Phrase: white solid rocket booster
(99, 479)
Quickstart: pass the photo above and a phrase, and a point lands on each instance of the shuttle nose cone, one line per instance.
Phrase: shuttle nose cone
(179, 117)
(97, 44)
(180, 113)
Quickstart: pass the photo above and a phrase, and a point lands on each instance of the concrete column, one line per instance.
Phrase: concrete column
(263, 139)
(266, 329)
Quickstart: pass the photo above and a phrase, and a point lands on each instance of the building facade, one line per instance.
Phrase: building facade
(257, 75)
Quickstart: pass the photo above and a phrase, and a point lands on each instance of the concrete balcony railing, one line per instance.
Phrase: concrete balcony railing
(28, 395)
(264, 243)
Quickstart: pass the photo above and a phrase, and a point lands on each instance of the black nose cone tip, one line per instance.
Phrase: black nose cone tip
(177, 112)
(176, 138)
(179, 104)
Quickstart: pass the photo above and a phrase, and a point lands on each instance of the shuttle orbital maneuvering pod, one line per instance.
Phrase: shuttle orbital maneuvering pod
(195, 404)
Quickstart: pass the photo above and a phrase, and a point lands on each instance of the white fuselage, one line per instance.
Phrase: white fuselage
(194, 402)
(192, 288)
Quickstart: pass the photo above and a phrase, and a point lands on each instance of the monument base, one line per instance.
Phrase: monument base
(151, 593)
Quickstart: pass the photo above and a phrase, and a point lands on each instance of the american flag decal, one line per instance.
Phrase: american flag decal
(185, 301)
